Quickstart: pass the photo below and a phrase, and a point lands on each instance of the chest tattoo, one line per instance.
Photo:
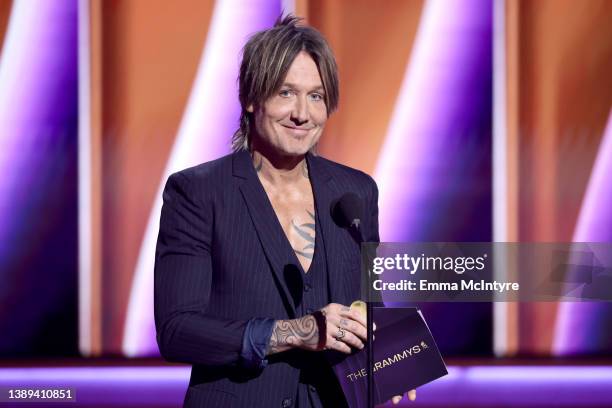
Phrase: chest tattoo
(307, 232)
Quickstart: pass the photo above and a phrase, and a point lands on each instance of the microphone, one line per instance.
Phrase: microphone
(346, 212)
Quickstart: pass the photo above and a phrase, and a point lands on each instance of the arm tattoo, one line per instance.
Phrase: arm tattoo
(307, 232)
(292, 333)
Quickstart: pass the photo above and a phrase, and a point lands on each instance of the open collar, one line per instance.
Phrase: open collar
(265, 221)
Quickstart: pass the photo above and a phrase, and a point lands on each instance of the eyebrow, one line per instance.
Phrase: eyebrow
(317, 88)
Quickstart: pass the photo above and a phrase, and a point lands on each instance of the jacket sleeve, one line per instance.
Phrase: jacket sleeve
(183, 278)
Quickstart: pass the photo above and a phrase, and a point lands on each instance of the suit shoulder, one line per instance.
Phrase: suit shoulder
(207, 171)
(204, 180)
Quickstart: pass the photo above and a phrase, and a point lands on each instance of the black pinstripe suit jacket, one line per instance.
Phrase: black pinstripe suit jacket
(219, 263)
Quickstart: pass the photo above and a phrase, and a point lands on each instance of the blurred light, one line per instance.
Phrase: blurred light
(511, 386)
(581, 327)
(210, 119)
(435, 112)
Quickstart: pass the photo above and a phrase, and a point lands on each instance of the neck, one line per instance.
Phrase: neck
(279, 170)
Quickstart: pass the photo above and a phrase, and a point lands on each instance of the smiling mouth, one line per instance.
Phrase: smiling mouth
(297, 131)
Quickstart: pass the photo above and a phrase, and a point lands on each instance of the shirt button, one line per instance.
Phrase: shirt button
(307, 287)
(286, 403)
(312, 388)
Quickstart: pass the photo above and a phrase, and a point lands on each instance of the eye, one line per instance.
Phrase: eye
(316, 97)
(286, 93)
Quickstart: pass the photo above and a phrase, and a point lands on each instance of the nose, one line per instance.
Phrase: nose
(299, 114)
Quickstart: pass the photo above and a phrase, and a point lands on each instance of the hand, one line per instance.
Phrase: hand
(411, 396)
(305, 332)
(345, 328)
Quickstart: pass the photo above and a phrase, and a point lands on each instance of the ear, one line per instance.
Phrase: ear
(250, 108)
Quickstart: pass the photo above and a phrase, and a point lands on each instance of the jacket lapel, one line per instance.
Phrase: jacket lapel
(325, 192)
(265, 222)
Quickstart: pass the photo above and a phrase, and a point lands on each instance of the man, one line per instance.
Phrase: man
(252, 275)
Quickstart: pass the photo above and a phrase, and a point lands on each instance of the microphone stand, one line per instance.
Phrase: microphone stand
(357, 234)
(370, 348)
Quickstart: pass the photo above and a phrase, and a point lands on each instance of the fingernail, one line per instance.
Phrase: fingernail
(412, 395)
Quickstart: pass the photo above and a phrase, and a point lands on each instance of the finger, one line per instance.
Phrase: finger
(333, 308)
(354, 327)
(354, 314)
(349, 338)
(352, 340)
(346, 311)
(334, 344)
(354, 323)
(412, 395)
(339, 308)
(328, 309)
(395, 400)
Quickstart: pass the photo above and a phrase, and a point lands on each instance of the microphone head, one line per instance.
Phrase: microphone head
(346, 211)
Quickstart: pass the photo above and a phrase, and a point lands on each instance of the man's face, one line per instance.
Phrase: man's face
(291, 121)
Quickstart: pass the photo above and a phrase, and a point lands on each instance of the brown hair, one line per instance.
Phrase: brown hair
(266, 58)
